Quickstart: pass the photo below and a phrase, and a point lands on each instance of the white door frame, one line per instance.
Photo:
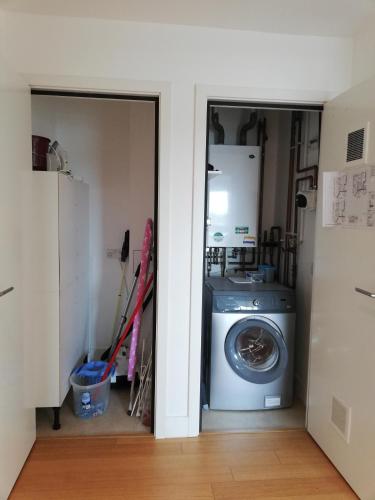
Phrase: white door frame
(203, 94)
(161, 90)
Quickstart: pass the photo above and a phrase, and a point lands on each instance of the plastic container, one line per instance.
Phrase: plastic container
(40, 147)
(269, 272)
(91, 397)
(254, 276)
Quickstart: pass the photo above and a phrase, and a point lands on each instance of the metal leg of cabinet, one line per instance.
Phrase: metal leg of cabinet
(56, 418)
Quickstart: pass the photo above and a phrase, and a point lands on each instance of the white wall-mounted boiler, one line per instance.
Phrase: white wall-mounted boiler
(233, 196)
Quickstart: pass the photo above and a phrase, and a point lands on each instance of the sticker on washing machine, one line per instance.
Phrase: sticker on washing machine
(272, 401)
(241, 230)
(249, 240)
(218, 237)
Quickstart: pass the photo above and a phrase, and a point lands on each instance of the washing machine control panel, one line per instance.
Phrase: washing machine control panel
(261, 301)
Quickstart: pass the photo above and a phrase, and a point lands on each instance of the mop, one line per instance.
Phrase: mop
(128, 327)
(108, 352)
(123, 285)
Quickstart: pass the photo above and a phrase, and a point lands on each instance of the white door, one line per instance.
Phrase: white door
(17, 419)
(341, 401)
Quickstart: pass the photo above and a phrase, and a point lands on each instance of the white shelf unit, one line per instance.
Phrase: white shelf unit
(57, 327)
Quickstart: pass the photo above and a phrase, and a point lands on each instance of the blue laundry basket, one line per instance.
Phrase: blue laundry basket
(90, 395)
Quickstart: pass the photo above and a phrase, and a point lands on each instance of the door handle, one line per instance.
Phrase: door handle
(7, 290)
(365, 292)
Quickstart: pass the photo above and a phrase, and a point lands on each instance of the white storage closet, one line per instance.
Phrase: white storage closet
(57, 327)
(110, 144)
(290, 165)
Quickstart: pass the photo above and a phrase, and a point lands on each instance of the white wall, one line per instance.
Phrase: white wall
(363, 52)
(233, 119)
(176, 53)
(110, 144)
(2, 31)
(87, 49)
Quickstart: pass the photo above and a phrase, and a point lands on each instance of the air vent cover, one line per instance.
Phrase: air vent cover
(341, 418)
(355, 146)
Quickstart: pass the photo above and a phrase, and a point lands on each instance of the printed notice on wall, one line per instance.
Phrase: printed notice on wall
(349, 197)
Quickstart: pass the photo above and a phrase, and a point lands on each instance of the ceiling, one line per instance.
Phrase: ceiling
(307, 17)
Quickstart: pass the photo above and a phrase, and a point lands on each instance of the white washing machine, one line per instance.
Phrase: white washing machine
(250, 345)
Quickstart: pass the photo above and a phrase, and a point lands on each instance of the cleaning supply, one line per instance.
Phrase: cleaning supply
(128, 327)
(123, 285)
(108, 352)
(268, 271)
(91, 372)
(90, 393)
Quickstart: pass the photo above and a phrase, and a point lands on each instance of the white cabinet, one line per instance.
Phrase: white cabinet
(57, 325)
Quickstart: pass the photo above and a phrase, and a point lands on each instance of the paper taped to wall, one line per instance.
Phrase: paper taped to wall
(349, 197)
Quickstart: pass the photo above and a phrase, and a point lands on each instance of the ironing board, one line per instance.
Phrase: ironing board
(145, 260)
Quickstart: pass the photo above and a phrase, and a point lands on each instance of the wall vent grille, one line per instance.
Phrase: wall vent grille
(356, 145)
(341, 418)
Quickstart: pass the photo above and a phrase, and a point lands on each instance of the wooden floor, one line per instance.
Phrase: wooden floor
(286, 464)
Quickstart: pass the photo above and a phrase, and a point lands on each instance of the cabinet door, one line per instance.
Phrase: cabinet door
(17, 419)
(73, 253)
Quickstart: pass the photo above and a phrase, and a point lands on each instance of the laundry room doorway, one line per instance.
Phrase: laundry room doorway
(95, 209)
(262, 163)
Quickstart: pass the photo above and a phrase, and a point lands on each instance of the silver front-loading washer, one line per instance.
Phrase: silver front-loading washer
(250, 345)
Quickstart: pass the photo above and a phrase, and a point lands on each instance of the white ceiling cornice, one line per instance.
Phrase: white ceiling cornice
(300, 17)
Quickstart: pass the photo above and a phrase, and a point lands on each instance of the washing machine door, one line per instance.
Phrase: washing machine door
(256, 350)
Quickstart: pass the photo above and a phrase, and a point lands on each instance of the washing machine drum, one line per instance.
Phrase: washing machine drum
(256, 351)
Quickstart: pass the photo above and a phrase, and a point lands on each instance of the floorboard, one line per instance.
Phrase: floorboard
(241, 421)
(272, 465)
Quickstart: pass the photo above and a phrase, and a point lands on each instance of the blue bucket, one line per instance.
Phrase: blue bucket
(91, 396)
(91, 372)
